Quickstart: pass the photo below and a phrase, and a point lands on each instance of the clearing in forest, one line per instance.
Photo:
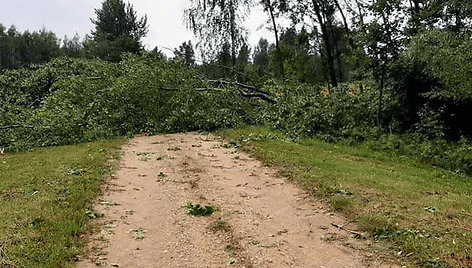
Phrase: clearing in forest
(185, 200)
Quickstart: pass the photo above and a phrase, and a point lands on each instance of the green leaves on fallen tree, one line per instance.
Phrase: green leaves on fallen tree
(74, 100)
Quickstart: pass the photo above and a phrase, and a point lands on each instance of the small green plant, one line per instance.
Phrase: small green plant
(221, 225)
(144, 156)
(92, 214)
(173, 149)
(198, 210)
(138, 234)
(159, 158)
(228, 248)
(161, 176)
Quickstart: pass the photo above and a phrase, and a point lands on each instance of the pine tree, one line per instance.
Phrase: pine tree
(118, 29)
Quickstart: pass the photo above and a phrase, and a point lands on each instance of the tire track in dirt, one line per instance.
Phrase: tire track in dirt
(263, 220)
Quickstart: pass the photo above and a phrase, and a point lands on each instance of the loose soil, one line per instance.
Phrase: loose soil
(263, 220)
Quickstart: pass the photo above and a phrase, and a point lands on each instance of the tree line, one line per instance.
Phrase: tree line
(118, 29)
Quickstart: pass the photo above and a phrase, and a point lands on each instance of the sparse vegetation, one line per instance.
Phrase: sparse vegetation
(138, 234)
(221, 225)
(161, 176)
(145, 156)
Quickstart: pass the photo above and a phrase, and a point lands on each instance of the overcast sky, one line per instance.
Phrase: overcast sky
(68, 17)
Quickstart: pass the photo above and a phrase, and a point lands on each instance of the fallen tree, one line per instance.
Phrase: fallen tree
(246, 91)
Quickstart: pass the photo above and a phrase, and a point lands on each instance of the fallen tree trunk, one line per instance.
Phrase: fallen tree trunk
(257, 95)
(238, 84)
(253, 92)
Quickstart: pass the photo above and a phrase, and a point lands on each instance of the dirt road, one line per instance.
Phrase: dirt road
(263, 220)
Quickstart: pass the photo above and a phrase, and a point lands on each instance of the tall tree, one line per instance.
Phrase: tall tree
(72, 47)
(261, 57)
(322, 15)
(217, 23)
(242, 60)
(186, 52)
(384, 39)
(22, 49)
(271, 6)
(118, 29)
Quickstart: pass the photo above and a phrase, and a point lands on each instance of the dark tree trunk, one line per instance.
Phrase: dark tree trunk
(233, 33)
(328, 45)
(361, 15)
(382, 85)
(280, 60)
(346, 25)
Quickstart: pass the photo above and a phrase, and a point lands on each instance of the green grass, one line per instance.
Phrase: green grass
(45, 201)
(418, 213)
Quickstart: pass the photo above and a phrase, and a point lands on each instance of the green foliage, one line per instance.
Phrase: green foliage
(433, 84)
(22, 49)
(348, 111)
(454, 156)
(261, 58)
(449, 59)
(300, 62)
(198, 210)
(75, 100)
(118, 29)
(186, 53)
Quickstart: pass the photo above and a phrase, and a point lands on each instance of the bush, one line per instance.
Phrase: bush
(348, 111)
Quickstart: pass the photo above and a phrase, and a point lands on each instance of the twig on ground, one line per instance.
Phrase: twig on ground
(347, 230)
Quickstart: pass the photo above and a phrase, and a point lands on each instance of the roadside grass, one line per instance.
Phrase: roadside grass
(417, 213)
(45, 201)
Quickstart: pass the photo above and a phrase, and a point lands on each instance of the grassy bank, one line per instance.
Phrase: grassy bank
(45, 198)
(415, 212)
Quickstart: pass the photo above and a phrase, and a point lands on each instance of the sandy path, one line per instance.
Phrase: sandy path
(263, 221)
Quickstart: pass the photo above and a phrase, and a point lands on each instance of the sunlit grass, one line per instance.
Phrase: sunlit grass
(419, 213)
(45, 199)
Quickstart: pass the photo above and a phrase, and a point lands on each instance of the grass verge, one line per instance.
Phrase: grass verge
(418, 213)
(45, 201)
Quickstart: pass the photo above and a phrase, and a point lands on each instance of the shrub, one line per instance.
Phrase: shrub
(349, 111)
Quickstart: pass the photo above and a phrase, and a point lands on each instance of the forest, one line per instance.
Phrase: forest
(394, 76)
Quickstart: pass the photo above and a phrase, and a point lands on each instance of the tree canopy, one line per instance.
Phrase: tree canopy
(118, 29)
